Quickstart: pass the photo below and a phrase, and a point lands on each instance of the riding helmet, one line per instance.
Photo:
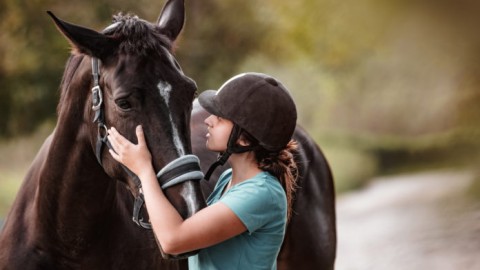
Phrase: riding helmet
(257, 103)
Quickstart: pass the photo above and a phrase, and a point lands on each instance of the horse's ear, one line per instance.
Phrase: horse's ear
(86, 40)
(171, 18)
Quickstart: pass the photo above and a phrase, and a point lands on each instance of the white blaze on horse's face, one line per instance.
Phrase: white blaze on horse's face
(165, 88)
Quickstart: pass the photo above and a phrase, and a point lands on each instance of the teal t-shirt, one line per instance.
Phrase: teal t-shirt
(261, 205)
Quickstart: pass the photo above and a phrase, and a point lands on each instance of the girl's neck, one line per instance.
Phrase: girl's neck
(244, 166)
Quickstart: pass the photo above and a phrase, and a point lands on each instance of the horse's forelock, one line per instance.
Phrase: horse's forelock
(136, 36)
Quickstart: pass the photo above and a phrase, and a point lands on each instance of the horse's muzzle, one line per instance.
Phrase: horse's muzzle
(184, 168)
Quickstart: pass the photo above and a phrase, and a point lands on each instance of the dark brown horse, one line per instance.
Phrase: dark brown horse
(74, 208)
(310, 241)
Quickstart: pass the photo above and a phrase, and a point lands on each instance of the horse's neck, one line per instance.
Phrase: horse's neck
(73, 189)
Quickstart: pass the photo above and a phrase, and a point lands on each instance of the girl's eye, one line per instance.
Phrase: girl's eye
(123, 104)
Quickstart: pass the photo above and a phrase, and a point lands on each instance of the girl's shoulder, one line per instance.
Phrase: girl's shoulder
(264, 179)
(263, 186)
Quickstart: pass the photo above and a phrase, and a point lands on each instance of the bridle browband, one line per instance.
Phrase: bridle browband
(179, 170)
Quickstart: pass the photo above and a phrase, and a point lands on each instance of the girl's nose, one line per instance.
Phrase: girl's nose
(208, 121)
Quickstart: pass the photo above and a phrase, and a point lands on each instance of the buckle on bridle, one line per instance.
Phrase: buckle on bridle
(137, 207)
(102, 133)
(97, 98)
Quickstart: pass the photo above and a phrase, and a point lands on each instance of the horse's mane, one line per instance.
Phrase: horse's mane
(71, 67)
(136, 36)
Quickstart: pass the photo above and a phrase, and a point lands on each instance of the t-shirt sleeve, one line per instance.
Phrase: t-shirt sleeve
(251, 202)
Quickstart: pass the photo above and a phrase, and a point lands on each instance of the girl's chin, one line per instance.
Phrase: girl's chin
(215, 149)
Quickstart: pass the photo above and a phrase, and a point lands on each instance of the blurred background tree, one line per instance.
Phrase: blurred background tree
(382, 86)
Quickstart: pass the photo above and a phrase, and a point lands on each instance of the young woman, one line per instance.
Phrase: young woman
(252, 122)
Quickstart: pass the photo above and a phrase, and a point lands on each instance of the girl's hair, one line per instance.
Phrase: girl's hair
(280, 164)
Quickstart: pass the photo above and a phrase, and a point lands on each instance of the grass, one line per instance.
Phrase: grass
(16, 155)
(9, 184)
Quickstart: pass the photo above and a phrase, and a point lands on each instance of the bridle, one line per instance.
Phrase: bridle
(179, 170)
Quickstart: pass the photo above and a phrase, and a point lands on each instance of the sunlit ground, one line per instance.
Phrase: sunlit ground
(412, 221)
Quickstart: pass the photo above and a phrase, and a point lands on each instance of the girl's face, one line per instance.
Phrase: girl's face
(219, 130)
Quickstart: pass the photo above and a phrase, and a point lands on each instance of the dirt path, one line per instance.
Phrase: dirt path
(422, 221)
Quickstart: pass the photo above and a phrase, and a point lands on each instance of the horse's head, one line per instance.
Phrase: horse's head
(139, 83)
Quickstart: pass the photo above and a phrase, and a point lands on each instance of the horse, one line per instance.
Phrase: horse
(311, 238)
(74, 207)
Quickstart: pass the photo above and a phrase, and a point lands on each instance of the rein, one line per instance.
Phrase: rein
(179, 170)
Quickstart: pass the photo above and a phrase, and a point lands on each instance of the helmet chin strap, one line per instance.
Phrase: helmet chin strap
(232, 147)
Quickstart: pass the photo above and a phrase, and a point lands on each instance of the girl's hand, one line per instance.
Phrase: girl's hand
(136, 157)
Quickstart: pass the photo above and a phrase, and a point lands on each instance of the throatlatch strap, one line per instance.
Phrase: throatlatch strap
(137, 207)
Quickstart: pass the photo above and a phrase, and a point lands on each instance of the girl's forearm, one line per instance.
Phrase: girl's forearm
(165, 219)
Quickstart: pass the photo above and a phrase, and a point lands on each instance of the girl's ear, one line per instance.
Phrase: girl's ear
(243, 141)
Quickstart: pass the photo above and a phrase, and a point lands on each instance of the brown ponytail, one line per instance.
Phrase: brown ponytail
(280, 164)
(283, 166)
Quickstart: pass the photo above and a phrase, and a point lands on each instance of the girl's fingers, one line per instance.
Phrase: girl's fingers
(114, 155)
(112, 139)
(119, 146)
(118, 137)
(133, 156)
(140, 135)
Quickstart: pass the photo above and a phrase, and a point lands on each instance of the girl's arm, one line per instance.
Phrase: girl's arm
(207, 227)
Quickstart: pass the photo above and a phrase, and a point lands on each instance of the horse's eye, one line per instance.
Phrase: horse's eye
(123, 104)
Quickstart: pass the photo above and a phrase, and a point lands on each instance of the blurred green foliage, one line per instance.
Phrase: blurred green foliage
(380, 85)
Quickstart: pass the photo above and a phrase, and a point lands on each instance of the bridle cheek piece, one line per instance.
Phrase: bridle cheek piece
(184, 168)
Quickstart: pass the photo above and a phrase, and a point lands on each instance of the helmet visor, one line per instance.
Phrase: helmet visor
(207, 100)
